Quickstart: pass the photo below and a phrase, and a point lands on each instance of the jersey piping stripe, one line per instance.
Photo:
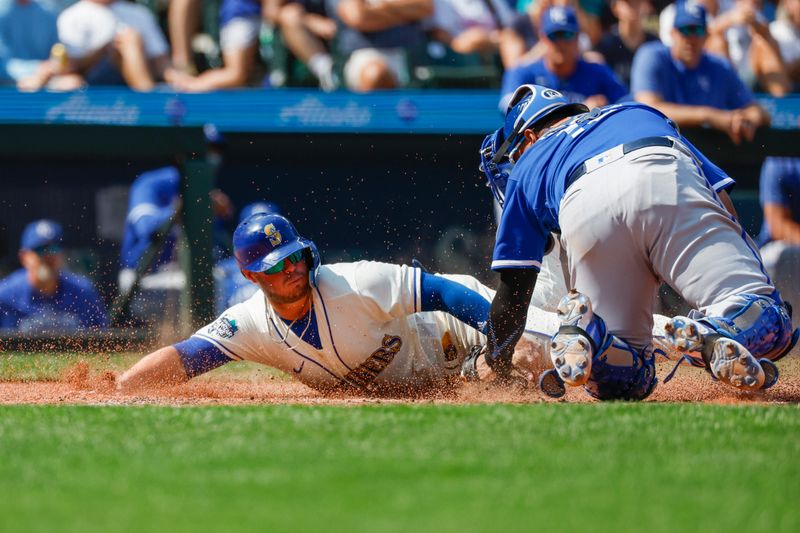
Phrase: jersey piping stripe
(417, 290)
(743, 234)
(516, 263)
(306, 357)
(722, 184)
(330, 330)
(222, 348)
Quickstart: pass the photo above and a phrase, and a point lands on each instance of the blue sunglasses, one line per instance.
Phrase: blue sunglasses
(693, 30)
(293, 258)
(562, 35)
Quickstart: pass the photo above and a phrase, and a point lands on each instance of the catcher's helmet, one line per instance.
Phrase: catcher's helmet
(263, 240)
(529, 105)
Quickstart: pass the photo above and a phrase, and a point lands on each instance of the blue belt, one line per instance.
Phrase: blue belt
(627, 148)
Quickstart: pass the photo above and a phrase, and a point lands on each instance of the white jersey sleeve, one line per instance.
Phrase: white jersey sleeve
(388, 291)
(233, 333)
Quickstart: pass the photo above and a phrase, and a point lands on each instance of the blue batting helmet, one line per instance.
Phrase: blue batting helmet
(263, 240)
(530, 105)
(496, 171)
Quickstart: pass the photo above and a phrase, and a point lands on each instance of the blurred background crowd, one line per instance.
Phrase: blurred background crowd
(364, 45)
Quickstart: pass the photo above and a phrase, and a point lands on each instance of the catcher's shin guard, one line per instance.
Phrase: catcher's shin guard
(581, 336)
(724, 357)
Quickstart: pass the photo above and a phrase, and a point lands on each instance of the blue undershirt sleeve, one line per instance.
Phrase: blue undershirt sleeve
(442, 294)
(199, 356)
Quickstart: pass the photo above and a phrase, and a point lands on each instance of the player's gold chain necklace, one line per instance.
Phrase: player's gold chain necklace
(282, 339)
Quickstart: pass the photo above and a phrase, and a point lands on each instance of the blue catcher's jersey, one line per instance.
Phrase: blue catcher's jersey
(539, 179)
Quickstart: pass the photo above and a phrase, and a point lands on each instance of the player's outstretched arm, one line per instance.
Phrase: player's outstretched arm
(158, 369)
(507, 316)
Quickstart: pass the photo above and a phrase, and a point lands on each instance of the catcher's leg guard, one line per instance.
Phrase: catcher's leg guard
(724, 357)
(580, 337)
(584, 353)
(759, 323)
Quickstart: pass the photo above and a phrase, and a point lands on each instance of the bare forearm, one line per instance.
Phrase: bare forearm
(158, 369)
(687, 116)
(781, 225)
(383, 15)
(757, 115)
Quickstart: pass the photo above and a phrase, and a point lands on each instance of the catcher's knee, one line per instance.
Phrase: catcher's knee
(622, 372)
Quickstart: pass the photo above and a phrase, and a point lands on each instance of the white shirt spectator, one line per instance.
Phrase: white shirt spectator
(788, 37)
(88, 26)
(455, 16)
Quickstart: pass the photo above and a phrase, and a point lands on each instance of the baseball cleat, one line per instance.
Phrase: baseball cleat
(684, 334)
(726, 359)
(571, 349)
(731, 363)
(551, 384)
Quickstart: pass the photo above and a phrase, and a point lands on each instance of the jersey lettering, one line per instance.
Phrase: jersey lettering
(368, 371)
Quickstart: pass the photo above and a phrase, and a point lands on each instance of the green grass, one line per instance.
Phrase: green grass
(420, 467)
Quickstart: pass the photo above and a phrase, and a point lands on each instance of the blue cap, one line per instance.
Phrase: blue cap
(559, 18)
(269, 208)
(40, 233)
(213, 136)
(689, 14)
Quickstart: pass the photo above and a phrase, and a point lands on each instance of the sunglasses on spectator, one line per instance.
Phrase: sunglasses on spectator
(47, 249)
(293, 258)
(562, 35)
(697, 31)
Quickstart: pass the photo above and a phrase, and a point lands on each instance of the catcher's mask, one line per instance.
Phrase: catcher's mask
(496, 171)
(529, 106)
(263, 240)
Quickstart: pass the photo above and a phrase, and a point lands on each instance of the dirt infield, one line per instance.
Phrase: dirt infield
(79, 386)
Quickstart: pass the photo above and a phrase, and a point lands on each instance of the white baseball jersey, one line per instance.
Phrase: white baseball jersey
(370, 327)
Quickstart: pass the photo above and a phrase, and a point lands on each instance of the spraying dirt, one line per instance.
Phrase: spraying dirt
(78, 385)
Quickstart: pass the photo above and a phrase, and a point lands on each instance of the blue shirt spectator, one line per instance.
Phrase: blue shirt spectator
(43, 298)
(713, 82)
(692, 87)
(780, 234)
(27, 32)
(562, 68)
(779, 188)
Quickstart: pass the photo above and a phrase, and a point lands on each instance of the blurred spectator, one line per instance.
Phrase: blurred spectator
(692, 87)
(715, 43)
(780, 233)
(109, 42)
(469, 26)
(786, 31)
(153, 206)
(376, 36)
(619, 45)
(240, 26)
(42, 297)
(752, 50)
(27, 32)
(562, 68)
(737, 30)
(520, 42)
(230, 286)
(308, 32)
(183, 22)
